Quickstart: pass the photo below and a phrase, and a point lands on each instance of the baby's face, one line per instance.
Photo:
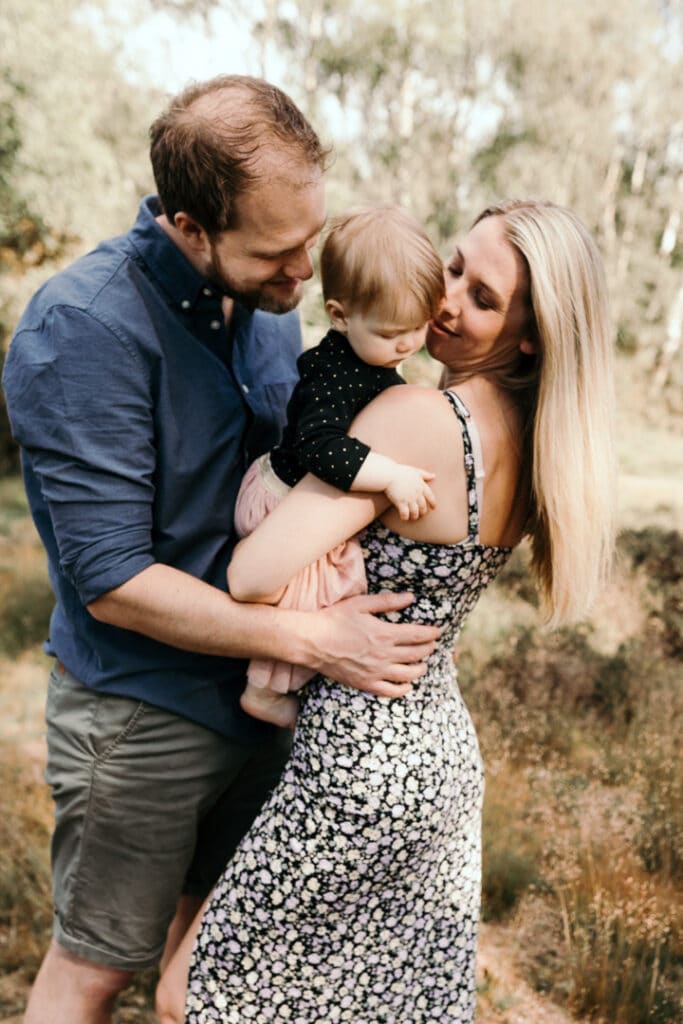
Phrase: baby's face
(382, 343)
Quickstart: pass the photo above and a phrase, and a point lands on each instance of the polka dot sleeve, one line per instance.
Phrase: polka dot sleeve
(334, 386)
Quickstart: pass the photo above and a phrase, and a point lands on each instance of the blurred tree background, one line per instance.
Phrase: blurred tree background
(443, 109)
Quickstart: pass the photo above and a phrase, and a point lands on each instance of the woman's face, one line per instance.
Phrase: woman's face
(485, 313)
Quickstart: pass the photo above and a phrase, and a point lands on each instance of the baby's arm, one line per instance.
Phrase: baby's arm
(325, 448)
(406, 487)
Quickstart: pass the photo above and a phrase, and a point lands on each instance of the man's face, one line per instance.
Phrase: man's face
(264, 261)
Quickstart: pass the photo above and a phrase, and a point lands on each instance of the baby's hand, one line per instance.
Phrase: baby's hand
(410, 493)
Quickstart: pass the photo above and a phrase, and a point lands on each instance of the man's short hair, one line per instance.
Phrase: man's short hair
(205, 145)
(379, 259)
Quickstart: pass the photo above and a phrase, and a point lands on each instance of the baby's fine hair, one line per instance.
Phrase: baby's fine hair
(379, 258)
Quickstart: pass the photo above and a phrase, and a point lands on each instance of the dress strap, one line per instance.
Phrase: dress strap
(474, 464)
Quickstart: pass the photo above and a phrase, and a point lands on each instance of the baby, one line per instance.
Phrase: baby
(382, 282)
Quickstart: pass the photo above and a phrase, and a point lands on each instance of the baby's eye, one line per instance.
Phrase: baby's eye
(454, 269)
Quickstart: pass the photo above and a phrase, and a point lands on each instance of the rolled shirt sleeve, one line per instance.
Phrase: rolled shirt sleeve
(81, 409)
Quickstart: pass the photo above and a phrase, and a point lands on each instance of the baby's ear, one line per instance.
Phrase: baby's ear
(336, 313)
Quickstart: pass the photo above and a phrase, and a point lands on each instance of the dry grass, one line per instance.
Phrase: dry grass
(583, 833)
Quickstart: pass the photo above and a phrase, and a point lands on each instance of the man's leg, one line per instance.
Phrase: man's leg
(131, 784)
(186, 911)
(69, 990)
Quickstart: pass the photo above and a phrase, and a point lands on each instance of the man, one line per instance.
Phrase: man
(139, 383)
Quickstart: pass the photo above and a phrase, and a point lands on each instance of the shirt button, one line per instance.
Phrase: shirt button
(185, 304)
(245, 389)
(207, 291)
(215, 325)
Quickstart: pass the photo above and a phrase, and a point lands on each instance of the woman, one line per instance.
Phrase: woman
(355, 895)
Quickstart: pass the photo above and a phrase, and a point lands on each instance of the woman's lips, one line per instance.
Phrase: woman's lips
(439, 328)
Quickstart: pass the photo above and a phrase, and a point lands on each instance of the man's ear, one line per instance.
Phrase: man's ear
(194, 235)
(337, 316)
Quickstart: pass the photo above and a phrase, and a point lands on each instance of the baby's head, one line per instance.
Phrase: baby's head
(382, 282)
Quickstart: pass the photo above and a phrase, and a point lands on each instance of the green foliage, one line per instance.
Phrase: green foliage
(510, 852)
(25, 614)
(9, 453)
(73, 142)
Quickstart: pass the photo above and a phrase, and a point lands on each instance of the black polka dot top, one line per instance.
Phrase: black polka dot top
(334, 385)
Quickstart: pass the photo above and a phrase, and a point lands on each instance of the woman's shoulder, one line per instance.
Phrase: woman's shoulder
(411, 424)
(407, 397)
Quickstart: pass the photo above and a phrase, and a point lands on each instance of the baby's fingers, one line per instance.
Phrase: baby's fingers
(404, 510)
(428, 495)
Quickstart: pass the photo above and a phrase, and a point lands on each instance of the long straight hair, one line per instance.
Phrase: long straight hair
(571, 415)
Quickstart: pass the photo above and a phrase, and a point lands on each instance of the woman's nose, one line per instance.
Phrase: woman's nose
(451, 306)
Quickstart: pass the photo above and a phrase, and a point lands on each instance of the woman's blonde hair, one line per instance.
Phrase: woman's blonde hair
(380, 259)
(570, 412)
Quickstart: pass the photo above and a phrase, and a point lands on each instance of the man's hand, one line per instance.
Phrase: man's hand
(358, 649)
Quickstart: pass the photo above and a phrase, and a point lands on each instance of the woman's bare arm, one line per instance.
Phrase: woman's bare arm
(315, 517)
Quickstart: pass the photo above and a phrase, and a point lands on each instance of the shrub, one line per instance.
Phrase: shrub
(25, 613)
(510, 849)
(25, 890)
(621, 958)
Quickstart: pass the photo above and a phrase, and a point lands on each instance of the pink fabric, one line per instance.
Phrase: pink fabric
(255, 499)
(338, 574)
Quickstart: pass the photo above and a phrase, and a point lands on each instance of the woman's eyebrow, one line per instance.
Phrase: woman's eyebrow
(491, 292)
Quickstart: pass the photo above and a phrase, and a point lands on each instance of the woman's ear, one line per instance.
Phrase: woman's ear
(528, 347)
(337, 316)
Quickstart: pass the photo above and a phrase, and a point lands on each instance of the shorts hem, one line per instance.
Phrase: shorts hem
(87, 951)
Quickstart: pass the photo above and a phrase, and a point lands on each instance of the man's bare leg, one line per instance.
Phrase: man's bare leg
(172, 987)
(186, 911)
(70, 990)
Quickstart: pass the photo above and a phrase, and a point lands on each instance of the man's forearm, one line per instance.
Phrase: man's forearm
(178, 609)
(346, 641)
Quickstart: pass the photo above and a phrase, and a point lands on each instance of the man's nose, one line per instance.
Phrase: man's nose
(299, 265)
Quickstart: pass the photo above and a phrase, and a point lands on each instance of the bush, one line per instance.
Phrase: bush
(9, 451)
(510, 849)
(621, 958)
(25, 613)
(25, 889)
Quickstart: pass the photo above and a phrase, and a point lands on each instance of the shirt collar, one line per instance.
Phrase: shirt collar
(174, 273)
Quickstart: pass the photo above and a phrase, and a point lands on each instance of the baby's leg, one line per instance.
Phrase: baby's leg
(270, 706)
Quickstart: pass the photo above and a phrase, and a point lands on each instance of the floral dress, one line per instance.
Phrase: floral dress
(355, 894)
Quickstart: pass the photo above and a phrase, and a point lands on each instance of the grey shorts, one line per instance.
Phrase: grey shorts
(147, 805)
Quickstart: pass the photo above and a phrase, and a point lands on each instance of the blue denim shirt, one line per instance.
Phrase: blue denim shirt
(137, 412)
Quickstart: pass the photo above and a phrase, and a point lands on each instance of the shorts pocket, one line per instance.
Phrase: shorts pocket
(115, 720)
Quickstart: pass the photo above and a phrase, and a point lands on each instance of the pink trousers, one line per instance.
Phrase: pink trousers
(338, 574)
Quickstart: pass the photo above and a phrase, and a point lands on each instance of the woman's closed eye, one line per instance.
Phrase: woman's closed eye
(483, 299)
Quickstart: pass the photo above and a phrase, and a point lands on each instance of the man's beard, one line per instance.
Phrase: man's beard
(255, 298)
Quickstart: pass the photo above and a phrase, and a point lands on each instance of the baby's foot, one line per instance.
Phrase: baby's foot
(279, 708)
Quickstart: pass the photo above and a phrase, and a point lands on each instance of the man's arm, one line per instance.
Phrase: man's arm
(346, 642)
